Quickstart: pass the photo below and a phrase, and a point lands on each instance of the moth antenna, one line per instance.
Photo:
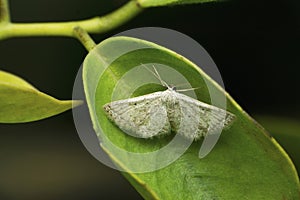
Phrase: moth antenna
(184, 90)
(189, 89)
(156, 74)
(159, 78)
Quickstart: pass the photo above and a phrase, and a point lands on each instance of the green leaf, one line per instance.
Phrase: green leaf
(246, 163)
(21, 102)
(156, 3)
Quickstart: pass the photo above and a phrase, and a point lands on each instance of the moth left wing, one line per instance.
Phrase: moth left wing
(144, 116)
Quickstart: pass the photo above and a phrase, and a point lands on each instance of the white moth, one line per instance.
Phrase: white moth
(164, 112)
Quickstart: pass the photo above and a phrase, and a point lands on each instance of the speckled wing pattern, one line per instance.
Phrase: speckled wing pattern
(161, 113)
(142, 116)
(199, 118)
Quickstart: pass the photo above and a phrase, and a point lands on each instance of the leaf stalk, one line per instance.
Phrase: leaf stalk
(4, 12)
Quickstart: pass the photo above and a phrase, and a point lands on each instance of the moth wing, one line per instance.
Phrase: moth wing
(144, 116)
(198, 118)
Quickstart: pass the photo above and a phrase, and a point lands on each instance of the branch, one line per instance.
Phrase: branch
(4, 11)
(93, 25)
(84, 38)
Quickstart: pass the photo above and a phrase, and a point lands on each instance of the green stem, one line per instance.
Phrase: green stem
(84, 38)
(4, 11)
(93, 25)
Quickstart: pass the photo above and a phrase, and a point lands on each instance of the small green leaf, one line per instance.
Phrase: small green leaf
(156, 3)
(21, 102)
(246, 163)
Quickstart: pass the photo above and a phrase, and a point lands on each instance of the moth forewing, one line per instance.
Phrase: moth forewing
(140, 116)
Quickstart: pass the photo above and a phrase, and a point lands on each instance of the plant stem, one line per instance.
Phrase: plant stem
(84, 38)
(4, 11)
(93, 25)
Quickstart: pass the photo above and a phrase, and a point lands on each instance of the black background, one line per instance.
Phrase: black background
(255, 45)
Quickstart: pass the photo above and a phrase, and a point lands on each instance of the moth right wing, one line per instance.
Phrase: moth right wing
(199, 118)
(144, 116)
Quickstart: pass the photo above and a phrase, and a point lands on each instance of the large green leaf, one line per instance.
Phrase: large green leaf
(155, 3)
(21, 102)
(246, 163)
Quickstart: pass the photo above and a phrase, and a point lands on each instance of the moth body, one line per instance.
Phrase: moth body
(161, 113)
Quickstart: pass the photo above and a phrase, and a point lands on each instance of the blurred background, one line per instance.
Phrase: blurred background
(255, 45)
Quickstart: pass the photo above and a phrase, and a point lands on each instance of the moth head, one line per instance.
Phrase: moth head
(172, 87)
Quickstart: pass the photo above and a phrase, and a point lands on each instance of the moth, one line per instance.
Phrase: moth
(164, 112)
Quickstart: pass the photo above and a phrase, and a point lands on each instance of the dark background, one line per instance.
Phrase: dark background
(255, 46)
